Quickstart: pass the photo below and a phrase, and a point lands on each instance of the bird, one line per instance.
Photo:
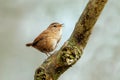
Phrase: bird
(47, 41)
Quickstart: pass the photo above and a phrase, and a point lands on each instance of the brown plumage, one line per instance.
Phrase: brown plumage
(47, 41)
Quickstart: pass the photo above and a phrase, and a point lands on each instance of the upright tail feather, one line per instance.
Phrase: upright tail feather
(29, 44)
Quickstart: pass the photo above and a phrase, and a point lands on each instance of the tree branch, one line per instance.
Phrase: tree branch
(72, 50)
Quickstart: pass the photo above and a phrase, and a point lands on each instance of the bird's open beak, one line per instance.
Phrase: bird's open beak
(61, 25)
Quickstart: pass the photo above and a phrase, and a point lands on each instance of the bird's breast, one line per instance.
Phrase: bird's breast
(60, 32)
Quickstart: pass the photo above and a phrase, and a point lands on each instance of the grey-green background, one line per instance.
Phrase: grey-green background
(22, 20)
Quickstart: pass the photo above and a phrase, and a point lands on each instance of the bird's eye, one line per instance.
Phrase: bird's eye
(54, 26)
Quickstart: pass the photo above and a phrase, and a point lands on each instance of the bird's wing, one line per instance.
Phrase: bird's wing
(42, 36)
(37, 40)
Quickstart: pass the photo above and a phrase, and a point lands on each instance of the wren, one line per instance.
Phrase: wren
(47, 41)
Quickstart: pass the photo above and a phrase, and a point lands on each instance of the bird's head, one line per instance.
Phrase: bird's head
(55, 25)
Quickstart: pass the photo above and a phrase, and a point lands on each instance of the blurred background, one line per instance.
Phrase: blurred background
(22, 20)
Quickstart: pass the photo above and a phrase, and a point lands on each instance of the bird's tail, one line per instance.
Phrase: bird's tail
(29, 44)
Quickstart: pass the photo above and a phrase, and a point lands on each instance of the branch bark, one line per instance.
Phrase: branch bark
(72, 49)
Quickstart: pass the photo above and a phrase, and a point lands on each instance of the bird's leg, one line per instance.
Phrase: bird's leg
(48, 54)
